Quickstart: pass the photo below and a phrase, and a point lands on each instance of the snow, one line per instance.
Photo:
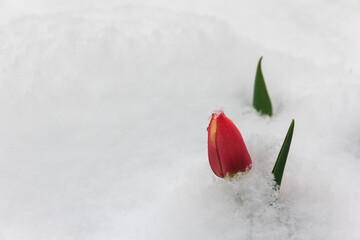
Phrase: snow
(104, 109)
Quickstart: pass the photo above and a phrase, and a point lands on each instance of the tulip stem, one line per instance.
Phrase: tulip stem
(279, 166)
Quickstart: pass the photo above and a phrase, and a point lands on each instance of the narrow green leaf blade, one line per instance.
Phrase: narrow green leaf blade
(279, 166)
(261, 100)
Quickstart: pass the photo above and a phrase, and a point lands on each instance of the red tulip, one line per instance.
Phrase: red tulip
(226, 148)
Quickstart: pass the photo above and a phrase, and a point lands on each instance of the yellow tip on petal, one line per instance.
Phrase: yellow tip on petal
(213, 132)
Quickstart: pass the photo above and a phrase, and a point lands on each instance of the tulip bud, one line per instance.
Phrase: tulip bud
(226, 148)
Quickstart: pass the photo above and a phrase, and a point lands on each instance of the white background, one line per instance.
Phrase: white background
(104, 108)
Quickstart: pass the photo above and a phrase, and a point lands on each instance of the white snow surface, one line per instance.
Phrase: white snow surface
(104, 107)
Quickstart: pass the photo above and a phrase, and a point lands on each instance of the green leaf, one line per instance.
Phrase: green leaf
(261, 101)
(279, 166)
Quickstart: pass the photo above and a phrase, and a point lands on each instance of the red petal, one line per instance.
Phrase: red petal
(212, 150)
(231, 149)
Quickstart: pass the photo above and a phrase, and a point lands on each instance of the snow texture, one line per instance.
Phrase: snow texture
(104, 107)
